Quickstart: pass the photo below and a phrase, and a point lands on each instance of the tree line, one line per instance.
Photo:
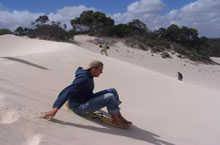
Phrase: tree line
(182, 40)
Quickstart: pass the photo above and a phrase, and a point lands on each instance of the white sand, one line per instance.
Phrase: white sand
(206, 76)
(9, 117)
(164, 110)
(35, 140)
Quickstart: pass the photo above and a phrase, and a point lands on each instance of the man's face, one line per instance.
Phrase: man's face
(96, 71)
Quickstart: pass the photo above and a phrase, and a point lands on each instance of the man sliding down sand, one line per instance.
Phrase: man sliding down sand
(82, 100)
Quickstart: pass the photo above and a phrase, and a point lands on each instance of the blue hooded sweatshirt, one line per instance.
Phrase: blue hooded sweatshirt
(80, 91)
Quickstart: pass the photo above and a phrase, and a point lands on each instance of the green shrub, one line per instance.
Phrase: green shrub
(165, 55)
(50, 32)
(157, 49)
(5, 31)
(150, 44)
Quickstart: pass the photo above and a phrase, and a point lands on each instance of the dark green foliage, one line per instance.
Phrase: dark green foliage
(214, 47)
(137, 27)
(194, 55)
(22, 31)
(5, 31)
(133, 28)
(41, 20)
(165, 55)
(189, 44)
(185, 36)
(120, 30)
(50, 32)
(44, 30)
(93, 22)
(157, 49)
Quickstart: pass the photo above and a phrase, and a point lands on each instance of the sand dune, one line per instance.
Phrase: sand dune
(17, 46)
(164, 110)
(205, 76)
(9, 117)
(35, 140)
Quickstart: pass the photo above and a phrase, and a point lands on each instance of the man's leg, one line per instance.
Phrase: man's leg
(106, 53)
(105, 100)
(114, 91)
(109, 90)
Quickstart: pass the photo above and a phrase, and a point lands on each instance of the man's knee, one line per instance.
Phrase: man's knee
(112, 90)
(109, 97)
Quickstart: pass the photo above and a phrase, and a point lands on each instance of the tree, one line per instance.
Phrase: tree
(41, 20)
(5, 31)
(137, 27)
(50, 32)
(20, 31)
(173, 33)
(121, 30)
(94, 22)
(161, 33)
(189, 36)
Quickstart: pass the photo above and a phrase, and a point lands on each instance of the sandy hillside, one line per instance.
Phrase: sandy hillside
(164, 110)
(205, 76)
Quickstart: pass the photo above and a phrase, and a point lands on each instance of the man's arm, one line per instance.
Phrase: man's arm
(71, 90)
(63, 97)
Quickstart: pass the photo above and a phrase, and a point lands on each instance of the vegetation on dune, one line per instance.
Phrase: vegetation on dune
(5, 31)
(182, 41)
(47, 30)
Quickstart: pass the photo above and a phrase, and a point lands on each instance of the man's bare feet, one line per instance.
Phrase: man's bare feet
(120, 124)
(124, 120)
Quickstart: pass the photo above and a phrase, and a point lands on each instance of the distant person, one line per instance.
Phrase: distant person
(82, 100)
(104, 48)
(180, 76)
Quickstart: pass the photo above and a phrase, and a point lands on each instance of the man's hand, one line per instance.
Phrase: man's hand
(50, 114)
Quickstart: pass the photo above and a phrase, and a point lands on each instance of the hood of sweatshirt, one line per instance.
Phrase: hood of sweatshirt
(80, 72)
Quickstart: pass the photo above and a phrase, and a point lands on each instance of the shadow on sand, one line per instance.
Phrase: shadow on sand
(134, 132)
(25, 62)
(216, 63)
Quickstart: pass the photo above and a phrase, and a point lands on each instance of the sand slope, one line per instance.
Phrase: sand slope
(205, 76)
(164, 111)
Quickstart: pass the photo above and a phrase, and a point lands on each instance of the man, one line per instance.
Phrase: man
(180, 76)
(104, 48)
(82, 100)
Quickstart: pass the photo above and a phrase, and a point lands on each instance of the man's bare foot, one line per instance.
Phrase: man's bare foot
(124, 120)
(120, 124)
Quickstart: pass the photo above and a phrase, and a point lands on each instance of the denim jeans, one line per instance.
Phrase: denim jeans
(107, 98)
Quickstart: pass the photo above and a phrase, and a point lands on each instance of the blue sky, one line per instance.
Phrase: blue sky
(107, 6)
(204, 15)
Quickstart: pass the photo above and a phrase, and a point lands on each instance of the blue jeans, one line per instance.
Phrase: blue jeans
(107, 98)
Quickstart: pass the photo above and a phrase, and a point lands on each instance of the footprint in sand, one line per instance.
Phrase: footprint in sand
(8, 117)
(35, 140)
